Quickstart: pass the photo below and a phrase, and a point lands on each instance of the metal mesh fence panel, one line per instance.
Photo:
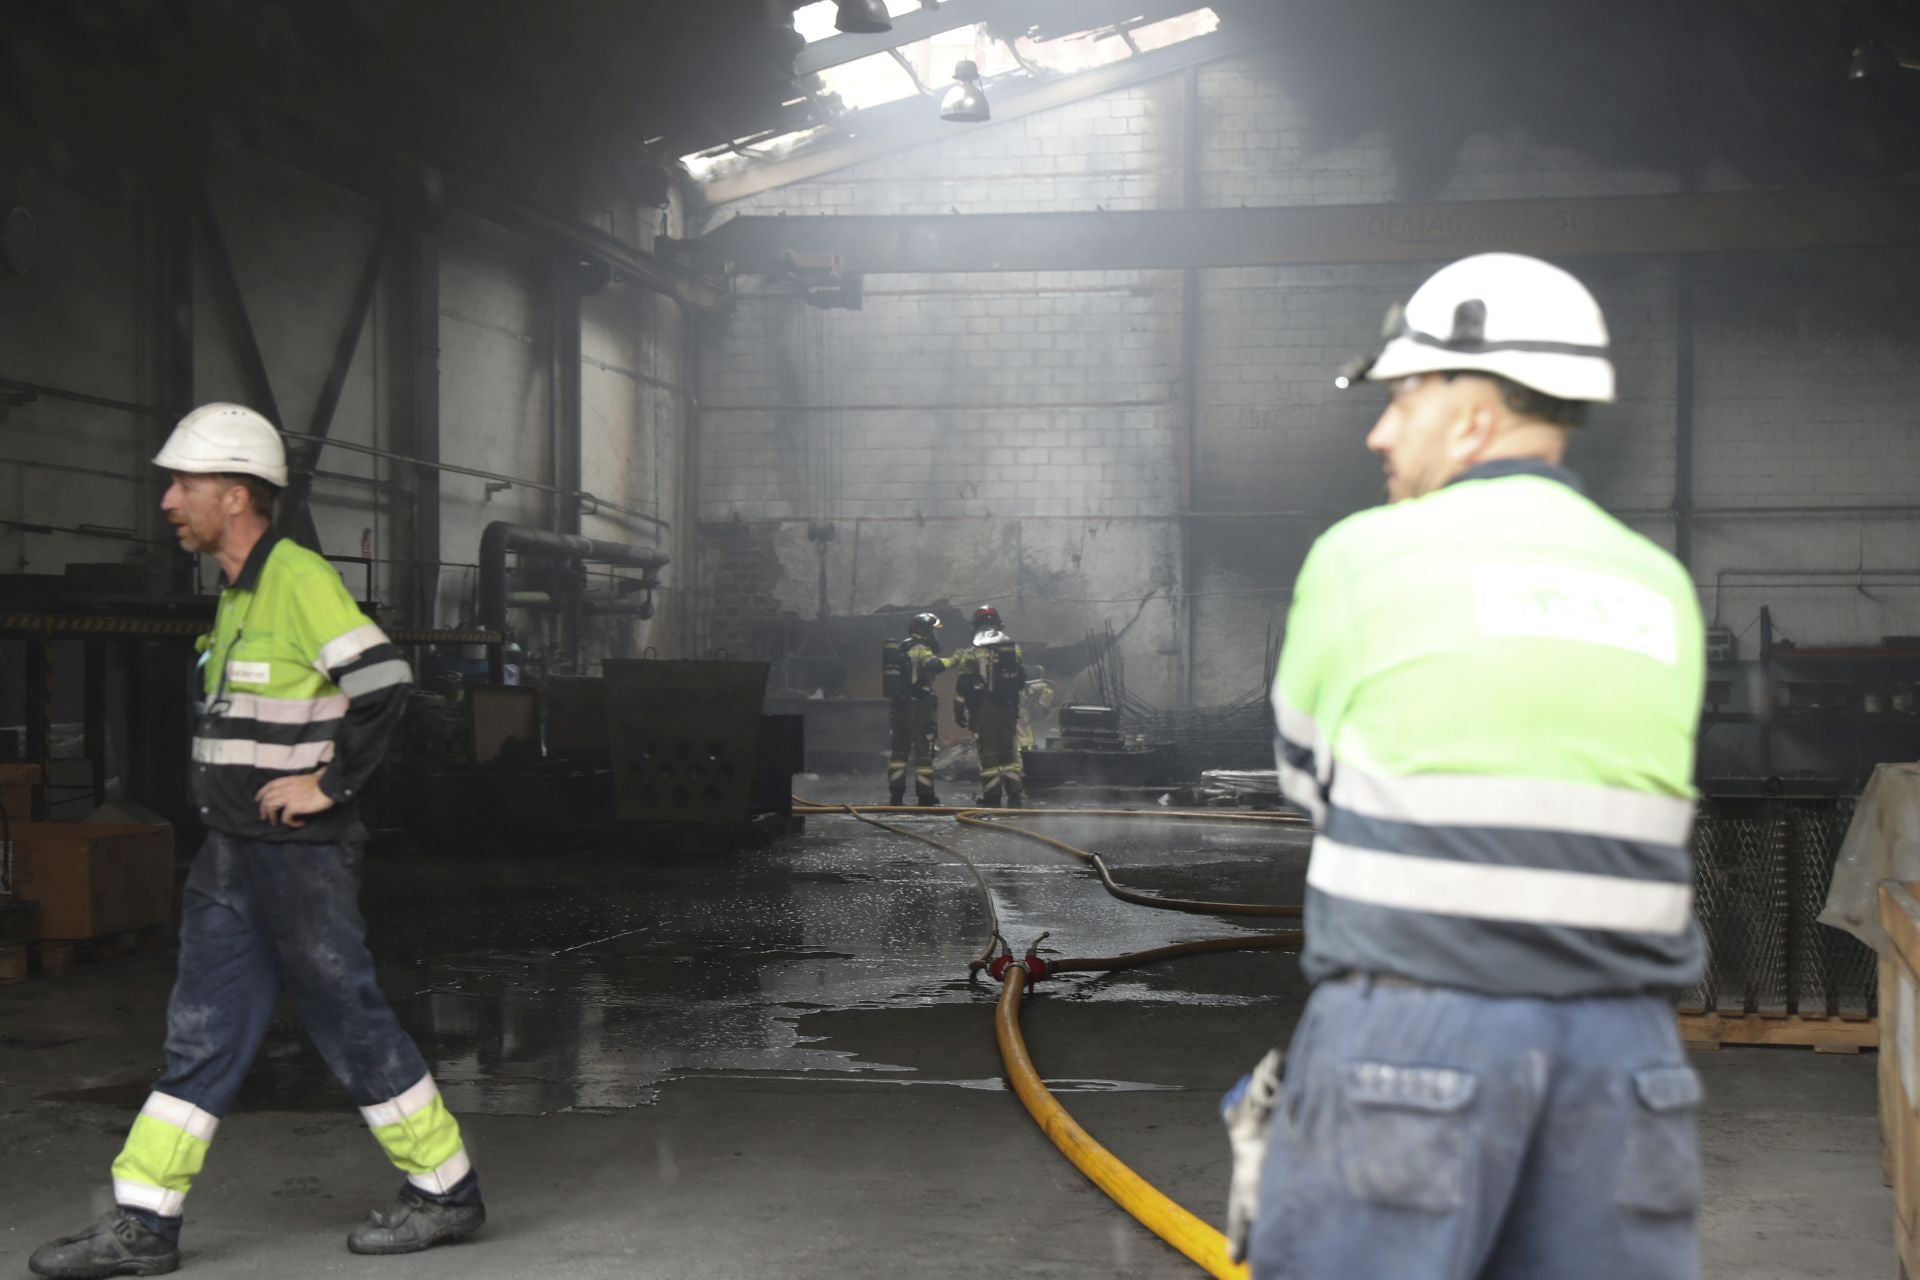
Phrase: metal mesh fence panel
(1761, 871)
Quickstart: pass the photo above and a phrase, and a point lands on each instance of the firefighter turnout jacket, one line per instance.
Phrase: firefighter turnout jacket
(1488, 700)
(294, 678)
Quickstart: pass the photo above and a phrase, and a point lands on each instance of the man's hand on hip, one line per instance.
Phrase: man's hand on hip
(287, 800)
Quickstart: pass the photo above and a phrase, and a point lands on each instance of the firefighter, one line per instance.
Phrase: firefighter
(1036, 707)
(908, 670)
(991, 685)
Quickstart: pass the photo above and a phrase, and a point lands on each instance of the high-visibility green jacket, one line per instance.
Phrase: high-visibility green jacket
(1488, 699)
(294, 678)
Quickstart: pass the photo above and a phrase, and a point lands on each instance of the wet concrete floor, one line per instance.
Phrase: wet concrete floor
(774, 1062)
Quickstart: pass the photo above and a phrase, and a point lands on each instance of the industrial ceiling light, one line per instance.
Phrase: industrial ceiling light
(862, 17)
(1869, 62)
(1878, 61)
(965, 102)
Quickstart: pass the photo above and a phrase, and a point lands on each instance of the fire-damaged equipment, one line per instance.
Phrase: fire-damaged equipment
(1090, 750)
(688, 739)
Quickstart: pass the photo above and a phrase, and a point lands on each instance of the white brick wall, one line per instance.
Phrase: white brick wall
(973, 398)
(1258, 150)
(1006, 395)
(1809, 400)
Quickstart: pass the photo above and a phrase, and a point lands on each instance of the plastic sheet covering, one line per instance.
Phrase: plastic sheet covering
(1882, 843)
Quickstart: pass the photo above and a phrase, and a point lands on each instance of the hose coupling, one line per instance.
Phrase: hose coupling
(1036, 967)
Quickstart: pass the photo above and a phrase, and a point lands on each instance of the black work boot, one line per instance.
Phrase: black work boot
(413, 1222)
(119, 1244)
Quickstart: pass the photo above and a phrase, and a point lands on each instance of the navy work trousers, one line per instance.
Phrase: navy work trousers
(1432, 1134)
(260, 917)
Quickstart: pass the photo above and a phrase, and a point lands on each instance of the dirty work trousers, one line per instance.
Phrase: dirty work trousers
(995, 733)
(1427, 1134)
(259, 918)
(914, 730)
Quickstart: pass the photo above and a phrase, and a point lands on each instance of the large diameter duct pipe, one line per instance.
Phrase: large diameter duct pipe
(501, 537)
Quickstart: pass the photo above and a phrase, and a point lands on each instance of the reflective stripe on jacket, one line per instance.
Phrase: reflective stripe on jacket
(294, 678)
(1488, 700)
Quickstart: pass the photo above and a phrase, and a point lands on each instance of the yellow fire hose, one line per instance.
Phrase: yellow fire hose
(977, 818)
(1197, 1240)
(1172, 1223)
(992, 819)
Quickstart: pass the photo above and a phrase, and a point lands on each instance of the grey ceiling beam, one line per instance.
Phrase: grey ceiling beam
(1323, 234)
(913, 122)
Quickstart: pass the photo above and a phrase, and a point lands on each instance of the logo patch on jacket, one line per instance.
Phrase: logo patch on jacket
(1573, 604)
(249, 672)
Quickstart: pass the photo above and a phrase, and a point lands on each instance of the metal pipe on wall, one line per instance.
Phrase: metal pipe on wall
(595, 505)
(501, 537)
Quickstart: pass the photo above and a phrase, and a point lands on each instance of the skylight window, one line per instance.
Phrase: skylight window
(815, 21)
(925, 66)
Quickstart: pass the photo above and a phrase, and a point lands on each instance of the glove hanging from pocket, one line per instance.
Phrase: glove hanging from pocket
(1247, 1111)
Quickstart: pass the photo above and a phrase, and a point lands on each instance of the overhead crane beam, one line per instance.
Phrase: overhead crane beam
(1322, 234)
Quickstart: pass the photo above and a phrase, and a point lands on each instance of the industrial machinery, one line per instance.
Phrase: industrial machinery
(1090, 751)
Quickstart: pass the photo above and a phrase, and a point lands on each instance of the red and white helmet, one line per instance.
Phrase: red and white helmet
(986, 617)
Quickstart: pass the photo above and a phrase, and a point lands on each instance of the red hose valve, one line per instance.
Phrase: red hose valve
(1036, 967)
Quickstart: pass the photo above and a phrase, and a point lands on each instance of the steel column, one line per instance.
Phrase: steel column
(233, 304)
(94, 715)
(294, 517)
(421, 309)
(176, 339)
(1189, 378)
(564, 405)
(38, 703)
(1683, 311)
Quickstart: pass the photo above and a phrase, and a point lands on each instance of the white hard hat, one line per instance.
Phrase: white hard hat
(1502, 313)
(225, 438)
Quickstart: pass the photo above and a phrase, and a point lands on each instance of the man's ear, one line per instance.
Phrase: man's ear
(1477, 427)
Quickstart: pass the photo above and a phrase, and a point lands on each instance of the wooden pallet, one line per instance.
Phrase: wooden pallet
(56, 957)
(1822, 1035)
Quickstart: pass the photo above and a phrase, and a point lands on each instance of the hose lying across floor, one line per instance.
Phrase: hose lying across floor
(1167, 1219)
